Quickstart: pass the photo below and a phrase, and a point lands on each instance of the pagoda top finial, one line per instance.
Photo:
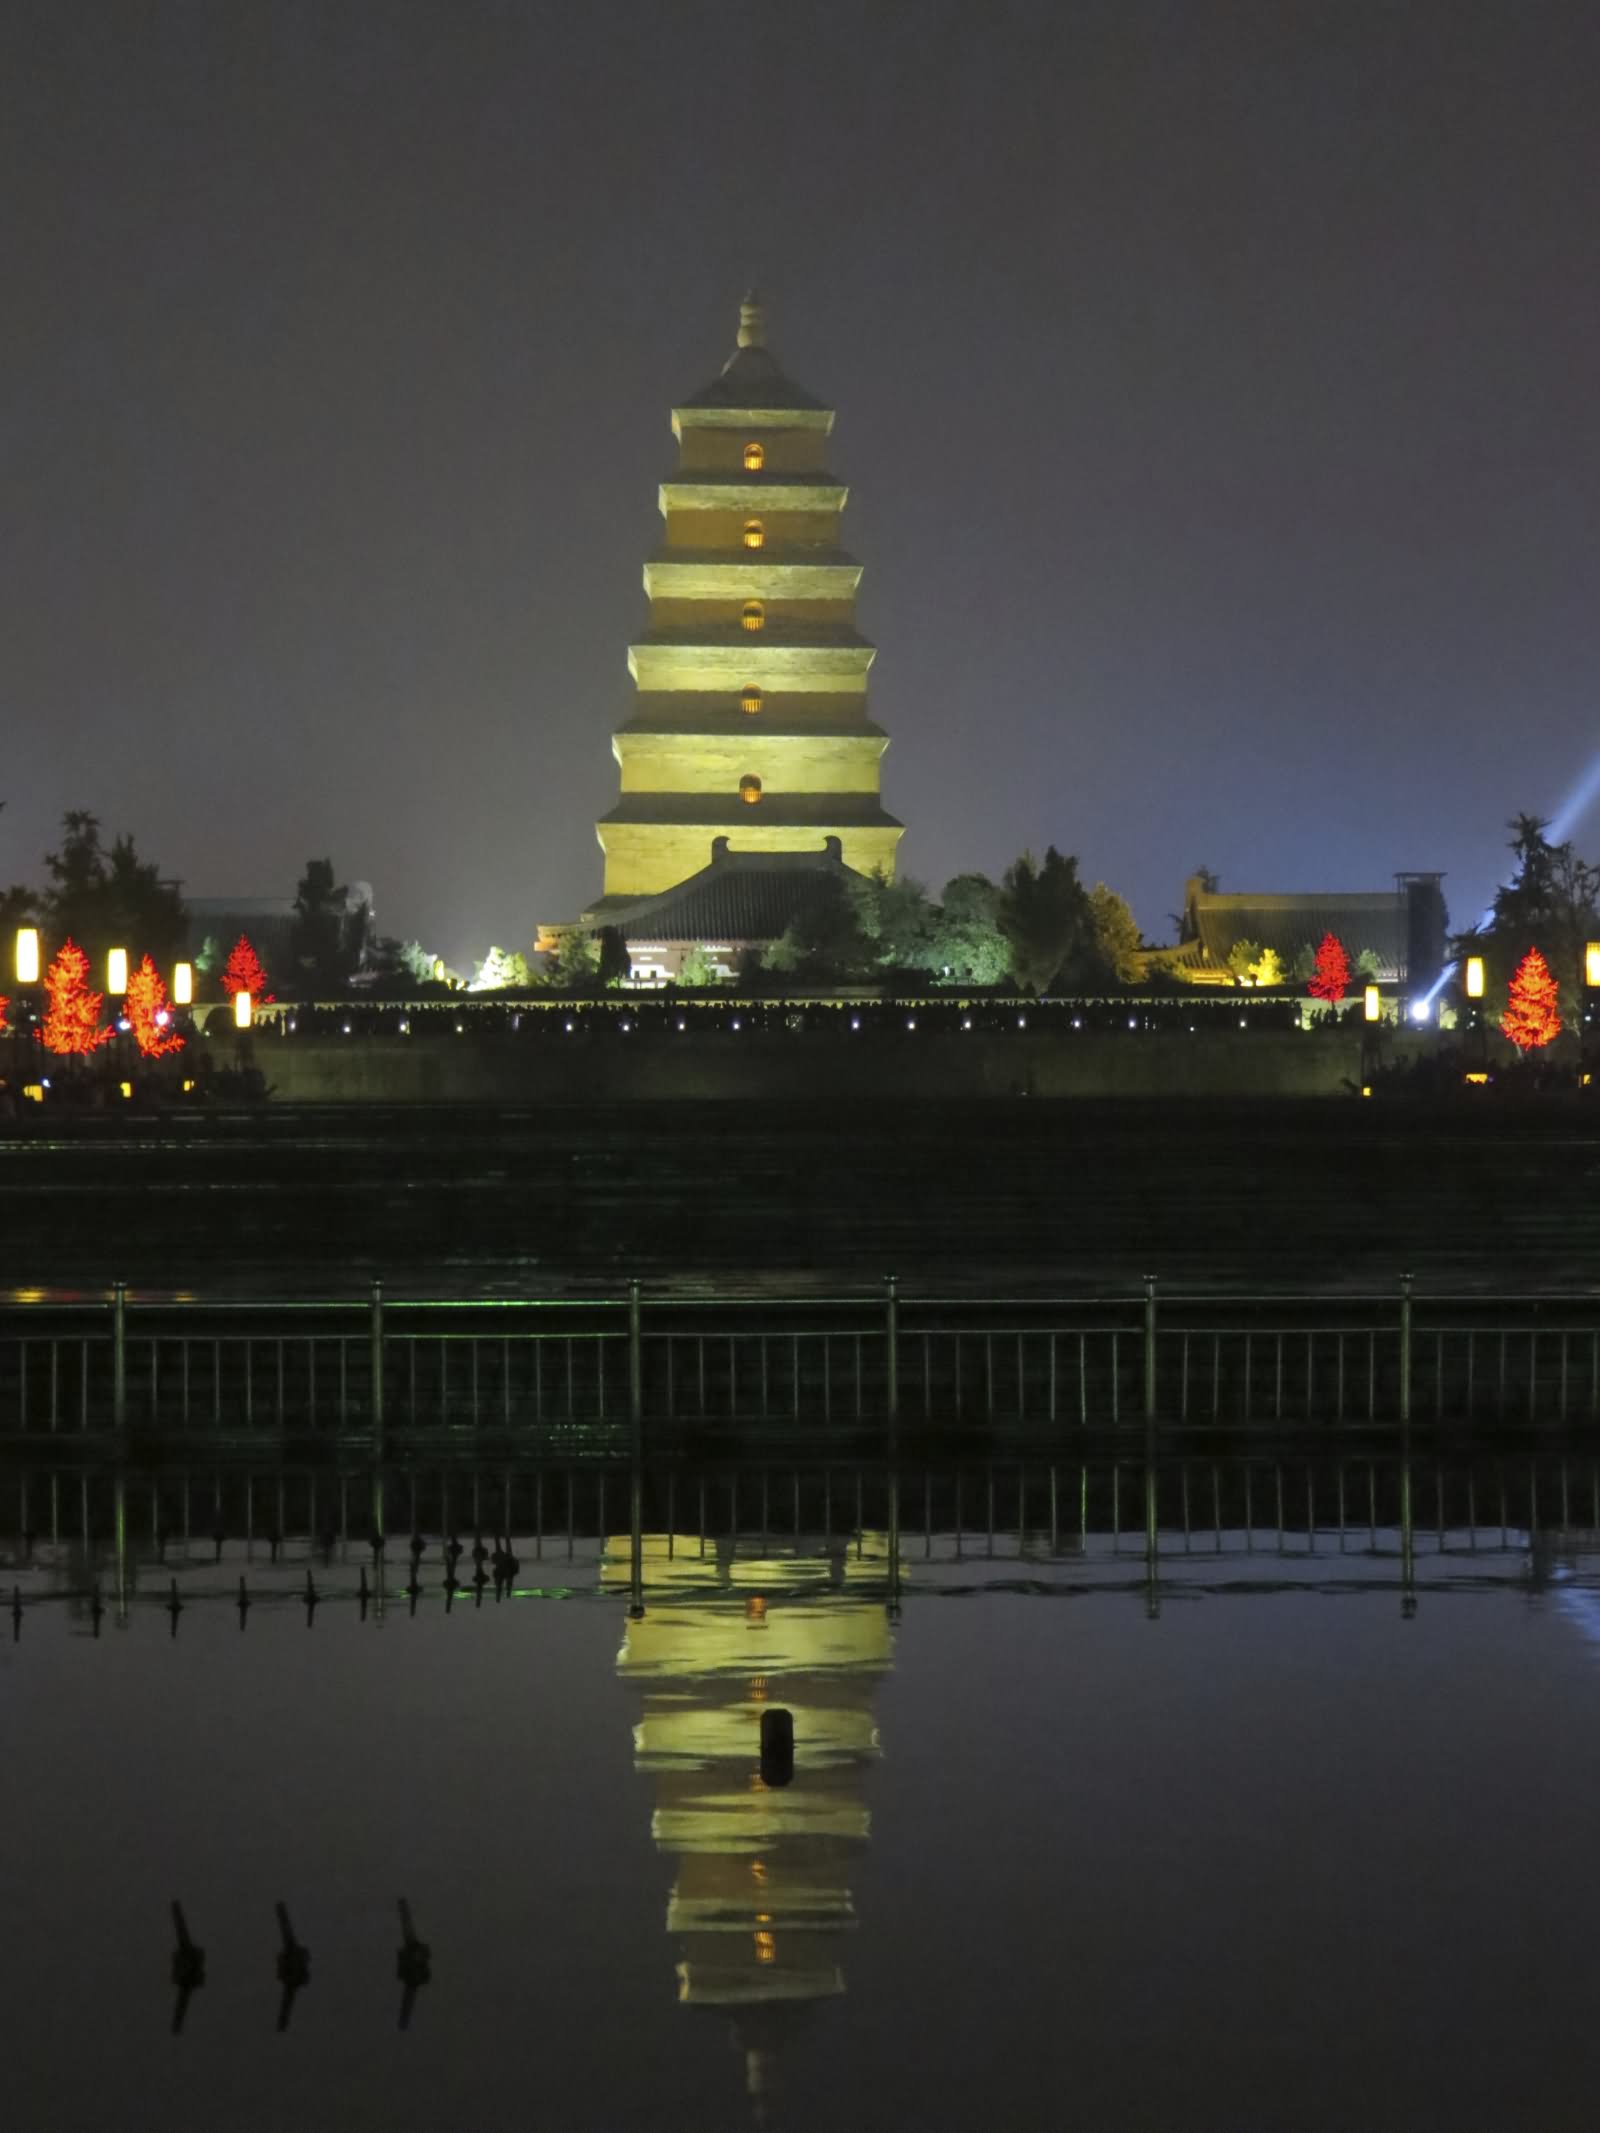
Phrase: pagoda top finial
(752, 320)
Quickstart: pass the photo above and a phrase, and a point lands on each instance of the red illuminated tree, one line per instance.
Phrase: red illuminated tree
(149, 1016)
(1330, 980)
(244, 973)
(1533, 1007)
(5, 1002)
(72, 1017)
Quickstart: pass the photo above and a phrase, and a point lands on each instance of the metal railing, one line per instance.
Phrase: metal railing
(591, 1372)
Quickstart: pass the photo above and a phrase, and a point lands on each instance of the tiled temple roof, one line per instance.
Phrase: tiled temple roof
(740, 896)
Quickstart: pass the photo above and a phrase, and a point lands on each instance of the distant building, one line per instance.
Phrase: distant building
(1400, 930)
(267, 922)
(749, 739)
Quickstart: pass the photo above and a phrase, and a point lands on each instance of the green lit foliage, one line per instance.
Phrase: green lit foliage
(896, 922)
(695, 970)
(827, 943)
(109, 899)
(1116, 935)
(576, 961)
(208, 956)
(1369, 966)
(500, 969)
(1046, 918)
(415, 961)
(1552, 902)
(968, 946)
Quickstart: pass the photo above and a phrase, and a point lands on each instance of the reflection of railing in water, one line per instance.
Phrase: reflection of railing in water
(579, 1373)
(299, 1537)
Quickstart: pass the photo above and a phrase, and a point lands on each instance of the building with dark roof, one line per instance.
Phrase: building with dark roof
(1399, 931)
(749, 729)
(740, 900)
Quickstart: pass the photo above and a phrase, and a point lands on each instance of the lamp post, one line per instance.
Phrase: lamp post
(27, 957)
(183, 984)
(117, 972)
(241, 1010)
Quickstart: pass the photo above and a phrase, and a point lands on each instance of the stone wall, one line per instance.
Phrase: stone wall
(788, 1069)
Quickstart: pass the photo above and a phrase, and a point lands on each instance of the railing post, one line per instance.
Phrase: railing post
(1149, 1348)
(635, 1451)
(1405, 1348)
(119, 1355)
(891, 1353)
(376, 1334)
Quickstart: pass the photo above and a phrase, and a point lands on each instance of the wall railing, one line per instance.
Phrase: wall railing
(592, 1372)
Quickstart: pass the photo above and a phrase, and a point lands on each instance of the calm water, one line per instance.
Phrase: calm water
(1283, 1835)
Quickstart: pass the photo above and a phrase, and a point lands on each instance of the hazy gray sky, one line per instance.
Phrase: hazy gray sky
(1216, 386)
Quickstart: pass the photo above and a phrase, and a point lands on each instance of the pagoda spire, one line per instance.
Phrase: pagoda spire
(752, 320)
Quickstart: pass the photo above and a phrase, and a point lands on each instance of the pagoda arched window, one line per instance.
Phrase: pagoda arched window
(755, 457)
(755, 534)
(753, 616)
(750, 791)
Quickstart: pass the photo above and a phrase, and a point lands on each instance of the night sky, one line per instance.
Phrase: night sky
(1216, 387)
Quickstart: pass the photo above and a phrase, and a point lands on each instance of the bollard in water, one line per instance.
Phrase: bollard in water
(777, 1746)
(188, 1967)
(413, 1964)
(293, 1966)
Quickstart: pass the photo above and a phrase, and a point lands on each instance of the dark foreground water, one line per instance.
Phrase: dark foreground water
(1277, 1831)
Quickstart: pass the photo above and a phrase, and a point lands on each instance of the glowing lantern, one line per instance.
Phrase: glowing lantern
(1474, 977)
(27, 955)
(241, 1010)
(183, 985)
(1371, 1004)
(1591, 964)
(117, 972)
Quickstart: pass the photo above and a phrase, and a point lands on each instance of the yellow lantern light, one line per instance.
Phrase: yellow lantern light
(27, 955)
(182, 984)
(117, 972)
(241, 1010)
(1371, 1005)
(1474, 977)
(1591, 963)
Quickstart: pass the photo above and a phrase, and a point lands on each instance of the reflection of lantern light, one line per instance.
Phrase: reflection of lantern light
(27, 955)
(117, 972)
(1591, 963)
(182, 984)
(755, 1608)
(241, 1010)
(1371, 1006)
(750, 701)
(755, 457)
(766, 1947)
(1475, 977)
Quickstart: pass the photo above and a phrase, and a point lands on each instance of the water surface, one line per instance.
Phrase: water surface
(1283, 1835)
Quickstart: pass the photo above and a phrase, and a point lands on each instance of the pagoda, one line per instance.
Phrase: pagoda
(749, 735)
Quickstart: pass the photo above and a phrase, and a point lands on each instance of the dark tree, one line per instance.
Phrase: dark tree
(1046, 918)
(615, 962)
(1551, 903)
(326, 939)
(110, 899)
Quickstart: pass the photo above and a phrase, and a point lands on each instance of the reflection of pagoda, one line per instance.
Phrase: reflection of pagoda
(761, 1897)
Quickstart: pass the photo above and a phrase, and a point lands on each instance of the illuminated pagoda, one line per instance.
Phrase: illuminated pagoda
(761, 1902)
(749, 735)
